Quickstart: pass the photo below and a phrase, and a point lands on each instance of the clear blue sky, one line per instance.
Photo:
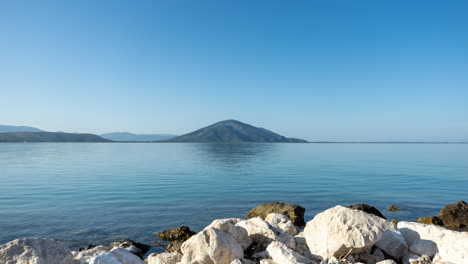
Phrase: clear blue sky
(318, 70)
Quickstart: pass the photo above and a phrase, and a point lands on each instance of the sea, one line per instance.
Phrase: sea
(94, 193)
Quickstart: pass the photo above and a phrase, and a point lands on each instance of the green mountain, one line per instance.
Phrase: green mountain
(8, 129)
(49, 137)
(126, 136)
(233, 131)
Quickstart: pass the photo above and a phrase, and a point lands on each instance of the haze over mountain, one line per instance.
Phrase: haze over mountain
(126, 136)
(49, 137)
(8, 129)
(233, 131)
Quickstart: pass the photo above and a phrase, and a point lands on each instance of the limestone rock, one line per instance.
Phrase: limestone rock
(387, 261)
(455, 216)
(211, 246)
(242, 261)
(452, 245)
(282, 222)
(431, 220)
(35, 251)
(339, 231)
(424, 247)
(293, 211)
(267, 261)
(117, 256)
(164, 258)
(393, 243)
(263, 233)
(181, 233)
(85, 256)
(280, 253)
(229, 226)
(135, 247)
(368, 209)
(301, 246)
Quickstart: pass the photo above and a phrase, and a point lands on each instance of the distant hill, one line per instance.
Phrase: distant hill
(233, 131)
(9, 129)
(49, 137)
(126, 136)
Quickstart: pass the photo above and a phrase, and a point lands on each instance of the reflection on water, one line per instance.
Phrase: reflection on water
(234, 154)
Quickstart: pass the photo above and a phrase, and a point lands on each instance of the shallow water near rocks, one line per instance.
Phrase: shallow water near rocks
(92, 193)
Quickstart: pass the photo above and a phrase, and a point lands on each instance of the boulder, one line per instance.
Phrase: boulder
(263, 233)
(431, 220)
(117, 256)
(415, 259)
(341, 231)
(181, 233)
(301, 245)
(84, 256)
(293, 211)
(424, 247)
(280, 253)
(368, 209)
(268, 261)
(455, 216)
(35, 251)
(242, 261)
(281, 222)
(164, 258)
(229, 226)
(452, 246)
(387, 261)
(211, 246)
(175, 246)
(136, 248)
(393, 243)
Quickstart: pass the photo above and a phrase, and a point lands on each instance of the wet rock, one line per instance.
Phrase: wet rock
(431, 220)
(393, 208)
(341, 231)
(293, 211)
(368, 209)
(281, 222)
(164, 258)
(175, 246)
(280, 253)
(117, 256)
(455, 216)
(35, 250)
(181, 233)
(211, 246)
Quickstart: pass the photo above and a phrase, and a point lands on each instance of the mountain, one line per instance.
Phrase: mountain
(8, 129)
(233, 131)
(126, 136)
(49, 137)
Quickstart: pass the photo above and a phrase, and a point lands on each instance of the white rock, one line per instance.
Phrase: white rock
(229, 226)
(237, 261)
(35, 251)
(267, 261)
(424, 247)
(452, 245)
(387, 261)
(243, 261)
(301, 245)
(117, 256)
(164, 258)
(86, 255)
(211, 246)
(339, 231)
(282, 222)
(262, 232)
(280, 253)
(393, 243)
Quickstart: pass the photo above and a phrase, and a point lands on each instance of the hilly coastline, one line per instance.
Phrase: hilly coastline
(49, 137)
(126, 136)
(233, 131)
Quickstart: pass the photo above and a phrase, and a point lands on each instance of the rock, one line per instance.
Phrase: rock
(136, 248)
(86, 255)
(280, 253)
(393, 208)
(455, 216)
(35, 251)
(378, 255)
(267, 261)
(431, 220)
(86, 248)
(424, 247)
(293, 211)
(236, 261)
(368, 209)
(282, 222)
(117, 256)
(242, 261)
(174, 246)
(387, 261)
(181, 233)
(229, 226)
(393, 243)
(452, 245)
(263, 233)
(211, 246)
(164, 258)
(415, 259)
(341, 231)
(301, 246)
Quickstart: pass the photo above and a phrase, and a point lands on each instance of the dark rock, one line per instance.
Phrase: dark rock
(455, 216)
(431, 220)
(136, 248)
(86, 248)
(368, 209)
(174, 246)
(182, 233)
(393, 208)
(293, 211)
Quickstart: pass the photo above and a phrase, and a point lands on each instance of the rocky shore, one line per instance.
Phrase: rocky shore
(276, 233)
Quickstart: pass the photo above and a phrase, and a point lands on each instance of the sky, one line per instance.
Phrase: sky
(317, 70)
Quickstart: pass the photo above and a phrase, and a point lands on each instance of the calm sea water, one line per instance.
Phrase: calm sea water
(91, 193)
